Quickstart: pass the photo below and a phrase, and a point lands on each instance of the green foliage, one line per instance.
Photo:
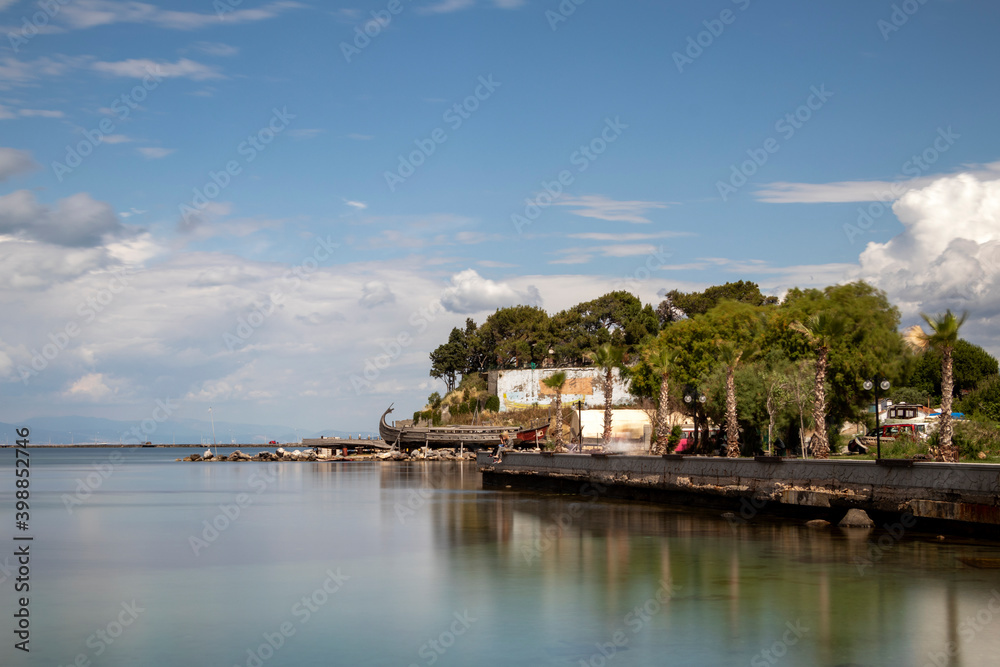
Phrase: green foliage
(516, 337)
(555, 381)
(902, 447)
(911, 395)
(984, 401)
(675, 436)
(434, 400)
(738, 324)
(971, 365)
(493, 404)
(472, 383)
(459, 356)
(972, 436)
(870, 344)
(699, 303)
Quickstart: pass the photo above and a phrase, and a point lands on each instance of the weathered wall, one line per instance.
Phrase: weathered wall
(522, 388)
(965, 492)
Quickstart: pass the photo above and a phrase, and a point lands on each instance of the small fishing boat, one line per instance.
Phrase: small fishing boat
(534, 433)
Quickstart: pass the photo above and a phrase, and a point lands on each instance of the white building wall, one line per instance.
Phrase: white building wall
(523, 387)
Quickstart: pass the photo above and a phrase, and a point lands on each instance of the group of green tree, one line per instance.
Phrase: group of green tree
(767, 369)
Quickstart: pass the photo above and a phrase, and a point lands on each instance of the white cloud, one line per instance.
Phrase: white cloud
(116, 139)
(82, 14)
(216, 49)
(30, 266)
(471, 293)
(857, 191)
(356, 204)
(14, 162)
(77, 220)
(138, 68)
(376, 293)
(40, 113)
(622, 236)
(91, 387)
(604, 208)
(153, 153)
(447, 6)
(948, 255)
(306, 133)
(14, 72)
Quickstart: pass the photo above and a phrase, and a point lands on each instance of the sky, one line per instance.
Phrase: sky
(278, 209)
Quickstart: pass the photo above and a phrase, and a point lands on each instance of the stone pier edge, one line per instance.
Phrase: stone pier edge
(957, 496)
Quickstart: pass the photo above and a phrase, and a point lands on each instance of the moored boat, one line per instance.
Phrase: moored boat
(412, 437)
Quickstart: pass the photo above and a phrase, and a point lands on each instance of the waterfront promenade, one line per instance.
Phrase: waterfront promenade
(943, 495)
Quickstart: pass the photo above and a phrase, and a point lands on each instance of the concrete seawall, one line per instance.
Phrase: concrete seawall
(964, 495)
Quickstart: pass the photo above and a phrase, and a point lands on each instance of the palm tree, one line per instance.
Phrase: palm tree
(662, 359)
(730, 355)
(556, 381)
(943, 337)
(821, 330)
(608, 357)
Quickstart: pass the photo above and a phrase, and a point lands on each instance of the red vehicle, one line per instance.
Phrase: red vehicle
(889, 433)
(273, 442)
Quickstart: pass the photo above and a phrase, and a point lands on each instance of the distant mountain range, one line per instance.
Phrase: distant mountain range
(87, 430)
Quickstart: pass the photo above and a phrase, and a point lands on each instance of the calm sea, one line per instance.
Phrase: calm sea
(141, 560)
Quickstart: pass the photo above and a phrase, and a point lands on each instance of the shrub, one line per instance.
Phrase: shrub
(902, 447)
(493, 404)
(984, 401)
(973, 436)
(675, 436)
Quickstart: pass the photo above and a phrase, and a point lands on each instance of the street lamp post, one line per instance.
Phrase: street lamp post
(690, 397)
(877, 383)
(579, 416)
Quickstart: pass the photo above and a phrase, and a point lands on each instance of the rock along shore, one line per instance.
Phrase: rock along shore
(443, 454)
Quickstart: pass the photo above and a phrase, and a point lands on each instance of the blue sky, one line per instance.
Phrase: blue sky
(243, 210)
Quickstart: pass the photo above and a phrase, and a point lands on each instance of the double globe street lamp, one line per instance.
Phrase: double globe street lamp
(690, 397)
(877, 383)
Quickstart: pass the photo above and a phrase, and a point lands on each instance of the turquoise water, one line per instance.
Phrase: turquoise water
(416, 564)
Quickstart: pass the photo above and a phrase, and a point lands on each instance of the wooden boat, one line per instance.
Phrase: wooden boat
(534, 433)
(413, 437)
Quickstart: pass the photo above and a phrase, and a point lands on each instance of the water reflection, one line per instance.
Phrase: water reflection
(862, 597)
(549, 579)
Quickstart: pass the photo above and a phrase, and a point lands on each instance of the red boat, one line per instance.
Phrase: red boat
(533, 434)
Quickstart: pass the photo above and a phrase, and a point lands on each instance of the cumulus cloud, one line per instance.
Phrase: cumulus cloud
(948, 255)
(469, 293)
(92, 387)
(14, 162)
(376, 293)
(77, 220)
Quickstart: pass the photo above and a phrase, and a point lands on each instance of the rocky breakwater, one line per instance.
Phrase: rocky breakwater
(444, 454)
(279, 455)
